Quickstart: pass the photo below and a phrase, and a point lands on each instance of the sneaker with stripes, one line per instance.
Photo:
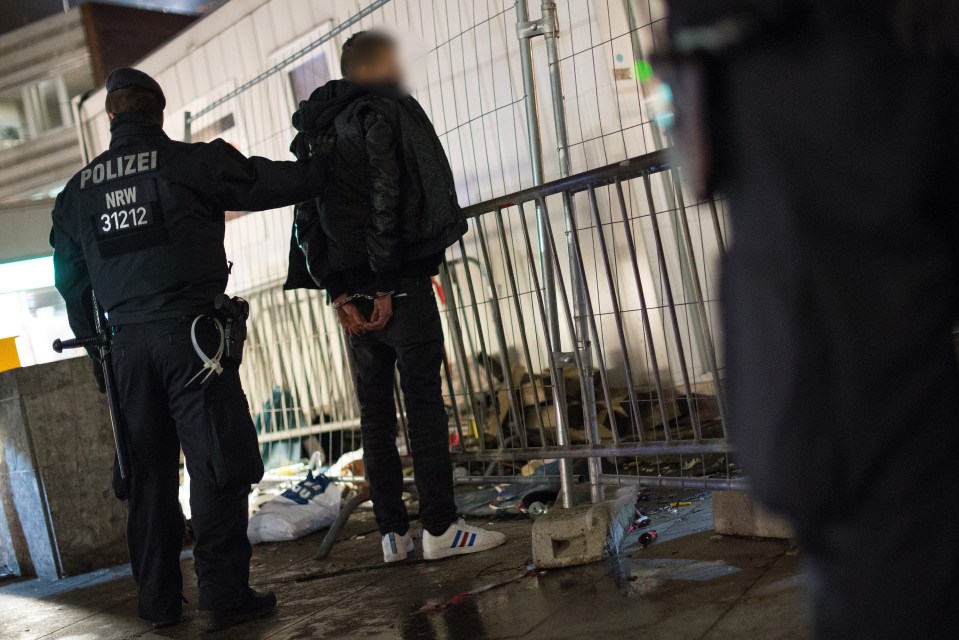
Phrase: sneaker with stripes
(459, 539)
(396, 547)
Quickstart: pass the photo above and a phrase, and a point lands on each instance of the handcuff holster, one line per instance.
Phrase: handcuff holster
(233, 313)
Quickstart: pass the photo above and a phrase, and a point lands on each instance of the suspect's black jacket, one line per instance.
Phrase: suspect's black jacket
(389, 209)
(142, 225)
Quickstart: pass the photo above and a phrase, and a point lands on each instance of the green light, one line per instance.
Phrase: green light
(643, 70)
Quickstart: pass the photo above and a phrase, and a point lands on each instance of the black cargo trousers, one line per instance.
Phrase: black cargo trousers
(412, 343)
(211, 422)
(839, 153)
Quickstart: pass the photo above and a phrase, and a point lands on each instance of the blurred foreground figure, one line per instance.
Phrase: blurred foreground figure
(832, 127)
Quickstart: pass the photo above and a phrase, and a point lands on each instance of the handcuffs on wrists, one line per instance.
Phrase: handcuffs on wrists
(363, 296)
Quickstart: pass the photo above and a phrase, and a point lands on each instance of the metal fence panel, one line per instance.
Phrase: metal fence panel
(580, 316)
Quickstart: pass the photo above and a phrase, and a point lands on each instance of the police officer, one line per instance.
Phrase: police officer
(142, 226)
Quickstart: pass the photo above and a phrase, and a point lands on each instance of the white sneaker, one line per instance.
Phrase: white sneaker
(396, 547)
(459, 539)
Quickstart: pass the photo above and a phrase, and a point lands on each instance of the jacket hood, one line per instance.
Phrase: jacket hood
(326, 102)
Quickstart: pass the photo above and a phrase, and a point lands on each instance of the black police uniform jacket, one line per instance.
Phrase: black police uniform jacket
(143, 224)
(389, 209)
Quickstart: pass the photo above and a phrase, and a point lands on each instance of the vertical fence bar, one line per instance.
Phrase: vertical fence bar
(618, 318)
(482, 340)
(643, 309)
(550, 28)
(501, 337)
(592, 327)
(556, 373)
(717, 227)
(700, 300)
(525, 31)
(456, 333)
(518, 311)
(458, 419)
(586, 384)
(671, 306)
(471, 364)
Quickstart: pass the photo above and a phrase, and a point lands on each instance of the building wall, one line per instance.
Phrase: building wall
(118, 37)
(42, 66)
(39, 49)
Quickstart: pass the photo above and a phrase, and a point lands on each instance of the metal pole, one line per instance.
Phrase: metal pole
(550, 30)
(525, 31)
(186, 126)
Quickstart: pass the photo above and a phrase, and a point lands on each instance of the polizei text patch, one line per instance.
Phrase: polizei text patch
(119, 167)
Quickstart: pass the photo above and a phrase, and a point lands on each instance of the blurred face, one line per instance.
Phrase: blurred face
(385, 68)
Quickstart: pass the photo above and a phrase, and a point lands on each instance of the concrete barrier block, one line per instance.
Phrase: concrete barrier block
(569, 537)
(59, 516)
(735, 513)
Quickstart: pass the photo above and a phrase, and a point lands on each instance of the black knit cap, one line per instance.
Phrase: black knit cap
(130, 77)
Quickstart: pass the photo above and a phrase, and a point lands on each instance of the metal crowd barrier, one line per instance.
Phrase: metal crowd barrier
(579, 314)
(578, 318)
(573, 318)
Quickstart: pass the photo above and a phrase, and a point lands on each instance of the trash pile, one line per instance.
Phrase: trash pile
(533, 498)
(500, 404)
(533, 401)
(644, 514)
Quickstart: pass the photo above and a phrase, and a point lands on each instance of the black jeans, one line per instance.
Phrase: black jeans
(153, 362)
(839, 297)
(413, 343)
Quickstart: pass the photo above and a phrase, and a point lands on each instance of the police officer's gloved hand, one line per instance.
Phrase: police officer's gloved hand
(98, 376)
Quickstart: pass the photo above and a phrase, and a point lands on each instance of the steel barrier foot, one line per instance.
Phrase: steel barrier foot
(347, 507)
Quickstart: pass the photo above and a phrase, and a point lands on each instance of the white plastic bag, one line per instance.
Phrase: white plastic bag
(307, 507)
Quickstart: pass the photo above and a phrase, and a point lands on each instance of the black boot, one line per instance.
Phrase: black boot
(167, 622)
(258, 605)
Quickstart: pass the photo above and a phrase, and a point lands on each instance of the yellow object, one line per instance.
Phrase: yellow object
(9, 358)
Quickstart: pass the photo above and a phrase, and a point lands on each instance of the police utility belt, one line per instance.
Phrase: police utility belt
(229, 318)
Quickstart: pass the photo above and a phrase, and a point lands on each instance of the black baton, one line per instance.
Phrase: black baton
(102, 342)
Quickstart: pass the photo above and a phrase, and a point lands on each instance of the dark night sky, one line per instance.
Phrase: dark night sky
(16, 13)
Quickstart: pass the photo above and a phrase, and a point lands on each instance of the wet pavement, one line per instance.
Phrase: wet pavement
(690, 583)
